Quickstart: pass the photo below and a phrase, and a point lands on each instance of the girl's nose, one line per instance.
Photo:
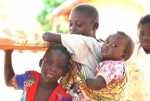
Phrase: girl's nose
(53, 67)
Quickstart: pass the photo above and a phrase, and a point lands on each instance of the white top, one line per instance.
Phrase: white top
(142, 61)
(85, 50)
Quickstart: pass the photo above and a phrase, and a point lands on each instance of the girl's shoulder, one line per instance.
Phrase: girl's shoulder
(31, 78)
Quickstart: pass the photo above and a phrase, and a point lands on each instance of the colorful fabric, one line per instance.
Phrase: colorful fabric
(111, 70)
(71, 82)
(88, 60)
(115, 77)
(20, 79)
(31, 80)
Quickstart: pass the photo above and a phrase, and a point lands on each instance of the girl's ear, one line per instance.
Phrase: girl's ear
(96, 25)
(40, 62)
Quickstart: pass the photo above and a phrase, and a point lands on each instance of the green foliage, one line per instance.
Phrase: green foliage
(63, 28)
(49, 6)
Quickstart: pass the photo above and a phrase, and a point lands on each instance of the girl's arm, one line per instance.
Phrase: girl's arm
(8, 69)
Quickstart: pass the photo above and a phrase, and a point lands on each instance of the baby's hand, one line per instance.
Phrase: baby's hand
(97, 83)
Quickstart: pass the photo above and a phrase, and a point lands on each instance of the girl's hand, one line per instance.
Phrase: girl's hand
(8, 51)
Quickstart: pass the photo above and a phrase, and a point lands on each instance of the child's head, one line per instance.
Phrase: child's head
(55, 63)
(84, 19)
(118, 46)
(144, 33)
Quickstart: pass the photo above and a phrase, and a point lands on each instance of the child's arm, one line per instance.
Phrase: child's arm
(11, 79)
(84, 50)
(107, 71)
(75, 43)
(52, 37)
(97, 83)
(8, 69)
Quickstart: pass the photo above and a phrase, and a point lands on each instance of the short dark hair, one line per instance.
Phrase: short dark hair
(63, 50)
(144, 20)
(88, 10)
(129, 46)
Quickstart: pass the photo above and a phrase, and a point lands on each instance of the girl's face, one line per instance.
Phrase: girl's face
(114, 48)
(144, 37)
(53, 66)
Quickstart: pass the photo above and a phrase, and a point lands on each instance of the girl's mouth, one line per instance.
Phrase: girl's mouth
(50, 74)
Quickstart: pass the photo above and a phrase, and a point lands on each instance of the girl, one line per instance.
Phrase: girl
(42, 86)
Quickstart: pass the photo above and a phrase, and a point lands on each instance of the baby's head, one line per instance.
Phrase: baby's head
(118, 46)
(144, 33)
(55, 63)
(84, 19)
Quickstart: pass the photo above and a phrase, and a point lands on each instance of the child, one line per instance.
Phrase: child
(42, 86)
(144, 33)
(120, 42)
(84, 20)
(84, 50)
(142, 58)
(111, 74)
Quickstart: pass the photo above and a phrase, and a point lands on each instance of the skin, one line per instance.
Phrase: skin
(79, 23)
(97, 83)
(144, 37)
(112, 49)
(8, 69)
(53, 67)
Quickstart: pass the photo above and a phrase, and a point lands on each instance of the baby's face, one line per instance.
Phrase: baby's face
(114, 48)
(144, 37)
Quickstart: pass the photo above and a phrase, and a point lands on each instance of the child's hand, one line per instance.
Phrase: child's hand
(49, 44)
(45, 36)
(97, 83)
(8, 51)
(51, 37)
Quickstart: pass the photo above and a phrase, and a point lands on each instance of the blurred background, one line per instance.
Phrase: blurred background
(28, 19)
